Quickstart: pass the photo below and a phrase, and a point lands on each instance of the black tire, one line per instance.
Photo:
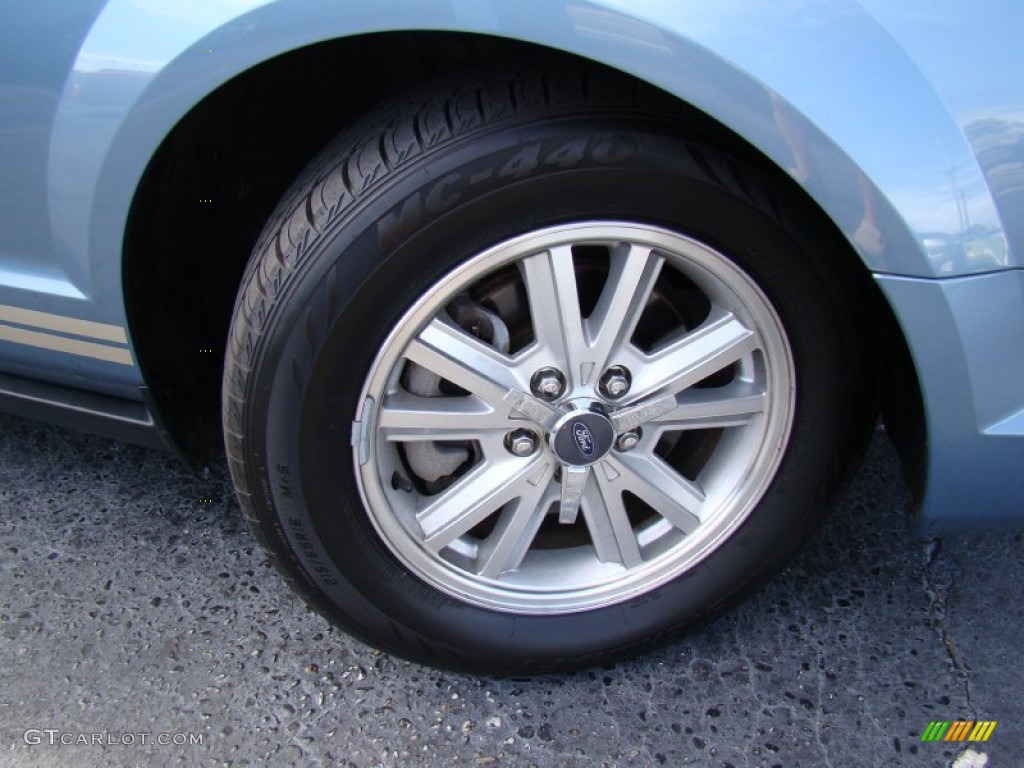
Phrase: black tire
(404, 197)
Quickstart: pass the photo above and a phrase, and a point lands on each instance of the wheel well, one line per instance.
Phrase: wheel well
(216, 178)
(213, 183)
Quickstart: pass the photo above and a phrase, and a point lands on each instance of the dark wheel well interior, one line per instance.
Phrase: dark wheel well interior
(215, 180)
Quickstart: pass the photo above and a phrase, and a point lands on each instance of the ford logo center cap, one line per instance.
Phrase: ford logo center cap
(582, 437)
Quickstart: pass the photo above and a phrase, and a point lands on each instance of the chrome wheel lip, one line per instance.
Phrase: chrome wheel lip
(542, 588)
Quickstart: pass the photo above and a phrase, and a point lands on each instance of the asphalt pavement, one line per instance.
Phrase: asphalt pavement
(141, 625)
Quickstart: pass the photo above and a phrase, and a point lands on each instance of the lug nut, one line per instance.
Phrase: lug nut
(521, 442)
(548, 383)
(628, 440)
(615, 382)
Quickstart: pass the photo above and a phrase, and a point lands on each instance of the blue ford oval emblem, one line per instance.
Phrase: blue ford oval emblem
(584, 438)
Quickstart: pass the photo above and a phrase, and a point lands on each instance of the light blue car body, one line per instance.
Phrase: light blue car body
(904, 122)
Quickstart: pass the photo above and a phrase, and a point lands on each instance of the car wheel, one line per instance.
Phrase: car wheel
(527, 372)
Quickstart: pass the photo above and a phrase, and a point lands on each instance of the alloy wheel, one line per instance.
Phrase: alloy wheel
(574, 417)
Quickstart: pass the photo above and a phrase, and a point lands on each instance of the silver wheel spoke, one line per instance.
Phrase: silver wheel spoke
(535, 410)
(654, 482)
(587, 346)
(463, 360)
(472, 499)
(505, 548)
(609, 526)
(555, 306)
(639, 414)
(719, 342)
(573, 481)
(634, 270)
(405, 416)
(733, 405)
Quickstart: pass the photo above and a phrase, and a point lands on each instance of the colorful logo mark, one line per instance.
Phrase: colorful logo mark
(958, 730)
